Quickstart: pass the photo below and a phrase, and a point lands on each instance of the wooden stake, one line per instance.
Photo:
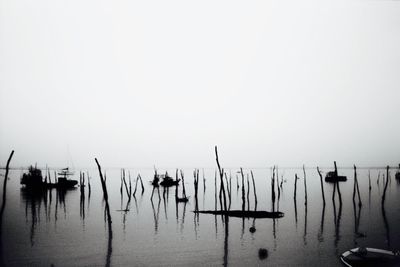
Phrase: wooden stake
(254, 189)
(322, 186)
(305, 186)
(221, 174)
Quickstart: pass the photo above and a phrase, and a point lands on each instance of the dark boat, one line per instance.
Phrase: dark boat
(370, 257)
(34, 180)
(168, 181)
(397, 175)
(63, 182)
(333, 177)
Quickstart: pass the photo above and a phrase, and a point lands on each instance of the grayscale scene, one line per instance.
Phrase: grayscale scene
(199, 133)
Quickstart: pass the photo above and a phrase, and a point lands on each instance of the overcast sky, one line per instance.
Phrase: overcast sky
(143, 83)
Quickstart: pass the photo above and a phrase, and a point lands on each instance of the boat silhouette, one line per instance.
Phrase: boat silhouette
(34, 180)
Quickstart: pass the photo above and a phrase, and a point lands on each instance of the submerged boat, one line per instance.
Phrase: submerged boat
(34, 180)
(370, 257)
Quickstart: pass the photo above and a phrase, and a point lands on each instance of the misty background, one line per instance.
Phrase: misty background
(138, 84)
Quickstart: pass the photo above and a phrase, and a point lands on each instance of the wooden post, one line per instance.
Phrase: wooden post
(183, 185)
(137, 180)
(305, 186)
(322, 186)
(336, 172)
(221, 174)
(3, 204)
(215, 189)
(126, 186)
(254, 189)
(204, 183)
(89, 187)
(277, 183)
(105, 193)
(243, 191)
(295, 186)
(273, 187)
(356, 188)
(248, 192)
(369, 180)
(386, 184)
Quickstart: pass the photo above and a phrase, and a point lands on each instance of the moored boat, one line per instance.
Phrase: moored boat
(333, 177)
(370, 257)
(34, 180)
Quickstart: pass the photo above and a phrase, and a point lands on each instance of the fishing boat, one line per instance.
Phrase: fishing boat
(168, 181)
(63, 181)
(370, 257)
(34, 180)
(333, 177)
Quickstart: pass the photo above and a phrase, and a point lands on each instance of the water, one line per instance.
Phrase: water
(68, 230)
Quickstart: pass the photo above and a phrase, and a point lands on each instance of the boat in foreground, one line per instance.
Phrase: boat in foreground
(34, 180)
(370, 257)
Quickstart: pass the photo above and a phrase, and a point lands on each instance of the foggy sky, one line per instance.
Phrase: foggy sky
(143, 83)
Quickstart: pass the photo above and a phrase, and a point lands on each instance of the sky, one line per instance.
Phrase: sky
(144, 83)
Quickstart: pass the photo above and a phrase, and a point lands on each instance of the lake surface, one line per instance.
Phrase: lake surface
(69, 229)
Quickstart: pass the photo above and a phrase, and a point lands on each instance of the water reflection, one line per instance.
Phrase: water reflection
(34, 199)
(321, 227)
(156, 214)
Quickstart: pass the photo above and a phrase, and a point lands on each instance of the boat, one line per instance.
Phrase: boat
(362, 256)
(397, 175)
(34, 180)
(333, 177)
(63, 181)
(167, 180)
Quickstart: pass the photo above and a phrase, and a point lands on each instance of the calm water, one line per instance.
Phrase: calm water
(69, 230)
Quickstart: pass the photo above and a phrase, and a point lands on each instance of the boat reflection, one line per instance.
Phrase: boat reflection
(35, 199)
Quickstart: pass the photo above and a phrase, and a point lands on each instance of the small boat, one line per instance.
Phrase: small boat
(168, 181)
(370, 257)
(397, 175)
(63, 182)
(332, 177)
